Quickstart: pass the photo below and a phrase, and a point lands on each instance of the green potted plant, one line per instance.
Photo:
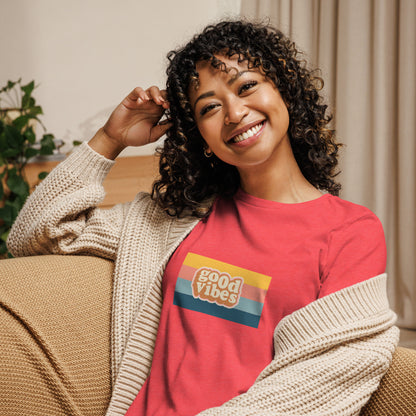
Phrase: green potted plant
(19, 115)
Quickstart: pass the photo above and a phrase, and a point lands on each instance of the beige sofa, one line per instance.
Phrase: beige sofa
(55, 342)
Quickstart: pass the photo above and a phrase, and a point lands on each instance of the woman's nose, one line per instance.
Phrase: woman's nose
(235, 111)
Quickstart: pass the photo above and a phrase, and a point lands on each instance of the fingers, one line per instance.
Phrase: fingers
(158, 96)
(151, 94)
(159, 130)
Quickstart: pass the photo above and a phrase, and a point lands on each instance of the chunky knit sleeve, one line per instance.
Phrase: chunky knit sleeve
(60, 216)
(329, 357)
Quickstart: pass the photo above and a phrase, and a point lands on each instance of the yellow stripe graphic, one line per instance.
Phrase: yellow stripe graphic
(250, 278)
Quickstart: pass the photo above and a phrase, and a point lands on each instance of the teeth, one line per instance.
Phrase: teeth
(246, 134)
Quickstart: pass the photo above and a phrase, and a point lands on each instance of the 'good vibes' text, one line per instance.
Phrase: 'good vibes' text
(217, 287)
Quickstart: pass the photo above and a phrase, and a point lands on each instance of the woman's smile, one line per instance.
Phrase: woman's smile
(247, 135)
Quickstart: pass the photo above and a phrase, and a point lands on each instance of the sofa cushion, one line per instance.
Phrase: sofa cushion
(55, 314)
(396, 395)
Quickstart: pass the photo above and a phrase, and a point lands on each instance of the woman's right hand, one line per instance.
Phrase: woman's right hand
(134, 122)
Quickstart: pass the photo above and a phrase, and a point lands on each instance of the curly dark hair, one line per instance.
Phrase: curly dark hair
(187, 177)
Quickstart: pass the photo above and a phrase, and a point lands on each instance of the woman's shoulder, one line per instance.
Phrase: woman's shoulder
(346, 212)
(350, 223)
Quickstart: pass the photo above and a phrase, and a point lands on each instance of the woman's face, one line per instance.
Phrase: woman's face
(240, 114)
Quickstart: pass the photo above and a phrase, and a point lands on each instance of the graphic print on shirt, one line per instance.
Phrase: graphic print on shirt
(221, 289)
(217, 287)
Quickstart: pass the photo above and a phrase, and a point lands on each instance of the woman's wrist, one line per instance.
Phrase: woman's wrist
(105, 145)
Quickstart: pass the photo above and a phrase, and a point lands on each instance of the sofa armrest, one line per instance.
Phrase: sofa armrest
(55, 315)
(396, 395)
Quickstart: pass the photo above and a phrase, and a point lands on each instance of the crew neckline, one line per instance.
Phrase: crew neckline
(243, 196)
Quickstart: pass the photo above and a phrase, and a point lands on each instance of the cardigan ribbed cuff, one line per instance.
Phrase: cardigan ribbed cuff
(87, 164)
(364, 302)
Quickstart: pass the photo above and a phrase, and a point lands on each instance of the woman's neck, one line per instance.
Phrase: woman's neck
(281, 182)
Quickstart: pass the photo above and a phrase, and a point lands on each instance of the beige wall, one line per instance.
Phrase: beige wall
(87, 54)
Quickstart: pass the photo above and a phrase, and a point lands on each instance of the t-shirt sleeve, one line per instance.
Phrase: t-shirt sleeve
(356, 252)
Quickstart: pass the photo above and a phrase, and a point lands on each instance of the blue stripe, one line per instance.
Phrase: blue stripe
(233, 315)
(246, 305)
(250, 306)
(183, 286)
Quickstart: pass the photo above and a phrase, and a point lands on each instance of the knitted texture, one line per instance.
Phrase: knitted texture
(339, 344)
(146, 244)
(55, 336)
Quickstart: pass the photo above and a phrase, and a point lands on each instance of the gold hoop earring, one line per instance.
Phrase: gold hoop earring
(207, 154)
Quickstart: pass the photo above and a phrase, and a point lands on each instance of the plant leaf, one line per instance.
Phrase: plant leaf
(47, 144)
(3, 141)
(9, 86)
(35, 110)
(13, 136)
(30, 135)
(8, 214)
(28, 88)
(31, 152)
(4, 234)
(43, 175)
(16, 204)
(17, 185)
(9, 153)
(20, 121)
(28, 101)
(3, 247)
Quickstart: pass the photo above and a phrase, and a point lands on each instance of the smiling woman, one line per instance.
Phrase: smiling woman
(243, 285)
(244, 74)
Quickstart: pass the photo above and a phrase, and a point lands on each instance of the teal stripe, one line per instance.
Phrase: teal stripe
(246, 305)
(233, 315)
(250, 306)
(184, 286)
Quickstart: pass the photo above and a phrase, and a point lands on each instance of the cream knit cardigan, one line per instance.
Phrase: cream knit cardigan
(329, 356)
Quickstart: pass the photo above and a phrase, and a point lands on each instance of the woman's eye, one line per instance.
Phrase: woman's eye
(246, 86)
(207, 108)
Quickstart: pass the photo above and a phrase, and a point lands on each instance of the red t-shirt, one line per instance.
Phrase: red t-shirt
(231, 281)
